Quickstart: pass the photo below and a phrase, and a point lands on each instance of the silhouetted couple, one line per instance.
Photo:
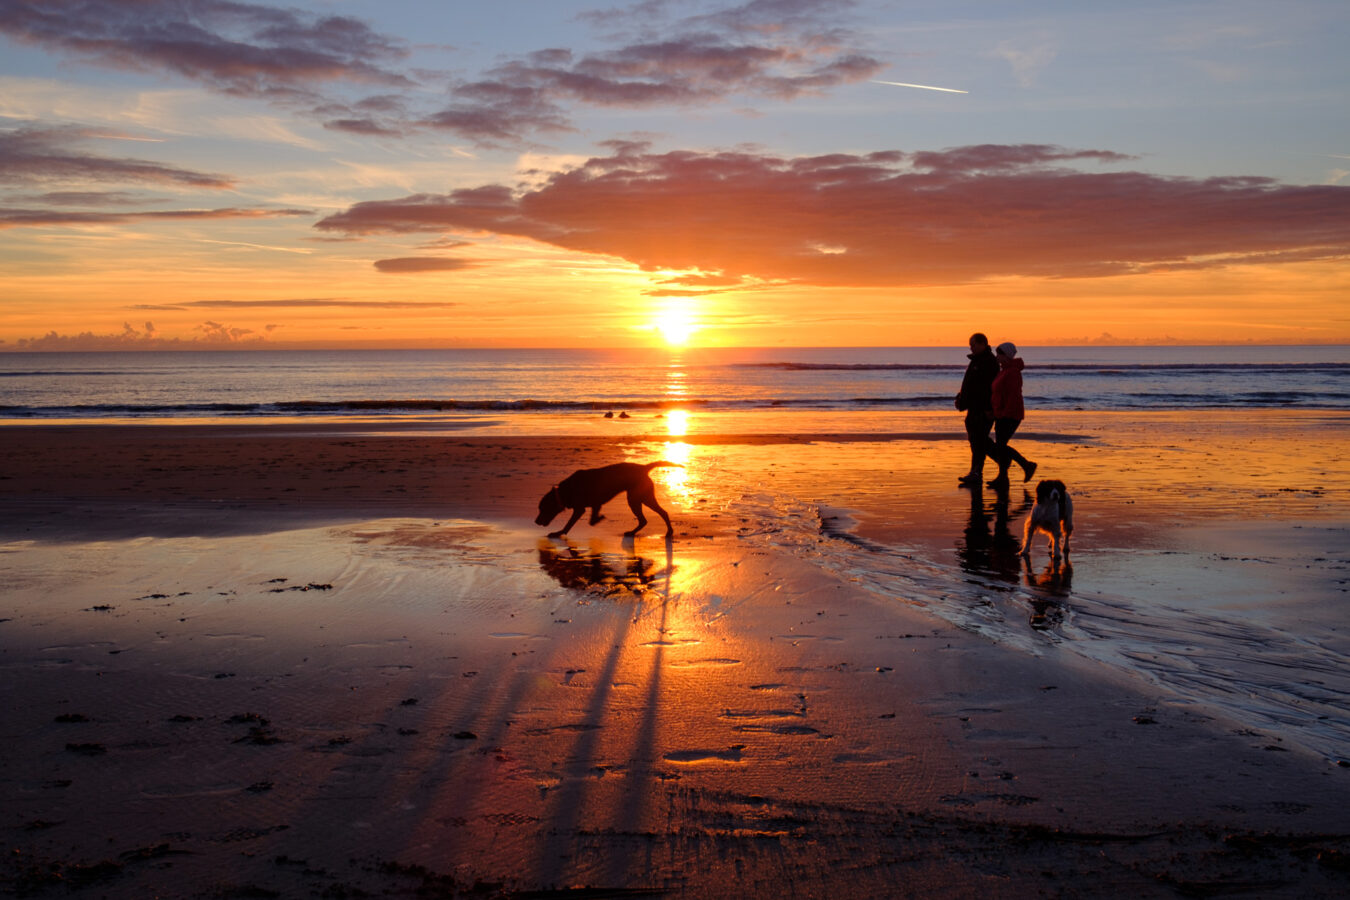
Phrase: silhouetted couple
(991, 396)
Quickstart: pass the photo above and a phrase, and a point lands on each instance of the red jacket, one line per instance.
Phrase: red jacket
(1007, 392)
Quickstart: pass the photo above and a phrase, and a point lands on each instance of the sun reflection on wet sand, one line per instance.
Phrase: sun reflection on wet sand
(677, 479)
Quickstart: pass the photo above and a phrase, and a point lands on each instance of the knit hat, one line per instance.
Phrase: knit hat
(1008, 349)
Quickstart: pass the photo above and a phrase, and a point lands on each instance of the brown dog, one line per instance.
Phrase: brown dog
(595, 487)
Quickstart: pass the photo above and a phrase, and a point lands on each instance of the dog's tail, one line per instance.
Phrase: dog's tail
(662, 462)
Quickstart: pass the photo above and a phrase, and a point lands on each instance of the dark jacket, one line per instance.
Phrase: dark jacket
(1007, 392)
(977, 383)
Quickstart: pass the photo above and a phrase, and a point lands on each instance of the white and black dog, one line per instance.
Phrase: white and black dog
(1052, 516)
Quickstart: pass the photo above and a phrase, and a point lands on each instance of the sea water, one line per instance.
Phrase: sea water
(427, 383)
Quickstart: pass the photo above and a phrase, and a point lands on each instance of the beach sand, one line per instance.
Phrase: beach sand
(252, 661)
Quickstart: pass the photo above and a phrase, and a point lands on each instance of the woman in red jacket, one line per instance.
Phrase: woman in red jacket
(1008, 413)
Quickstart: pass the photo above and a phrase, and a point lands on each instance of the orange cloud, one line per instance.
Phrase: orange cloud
(887, 219)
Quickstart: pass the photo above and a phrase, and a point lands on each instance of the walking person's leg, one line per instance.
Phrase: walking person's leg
(977, 433)
(1006, 454)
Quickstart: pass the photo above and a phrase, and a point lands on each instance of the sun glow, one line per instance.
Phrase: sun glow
(676, 478)
(676, 322)
(677, 422)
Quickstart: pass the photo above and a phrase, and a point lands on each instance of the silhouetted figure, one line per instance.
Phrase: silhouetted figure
(593, 488)
(1006, 404)
(974, 399)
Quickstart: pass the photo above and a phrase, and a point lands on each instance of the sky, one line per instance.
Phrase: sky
(205, 174)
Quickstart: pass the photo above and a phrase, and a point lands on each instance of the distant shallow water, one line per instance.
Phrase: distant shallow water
(526, 383)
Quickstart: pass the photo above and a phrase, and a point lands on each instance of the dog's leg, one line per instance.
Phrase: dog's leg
(635, 505)
(576, 514)
(596, 518)
(1028, 532)
(1054, 543)
(670, 529)
(1067, 524)
(645, 495)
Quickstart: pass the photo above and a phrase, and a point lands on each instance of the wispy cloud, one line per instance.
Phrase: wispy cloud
(300, 250)
(77, 198)
(301, 303)
(207, 335)
(36, 153)
(888, 218)
(415, 264)
(1026, 59)
(765, 49)
(239, 48)
(37, 218)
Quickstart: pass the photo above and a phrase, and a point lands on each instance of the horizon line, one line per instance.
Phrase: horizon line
(262, 346)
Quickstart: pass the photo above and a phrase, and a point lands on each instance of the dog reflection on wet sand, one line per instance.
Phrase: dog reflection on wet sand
(1053, 584)
(608, 574)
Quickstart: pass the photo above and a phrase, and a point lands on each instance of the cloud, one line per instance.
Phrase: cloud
(365, 127)
(314, 303)
(1026, 61)
(239, 48)
(411, 264)
(208, 335)
(886, 219)
(771, 49)
(753, 16)
(41, 218)
(77, 198)
(764, 49)
(35, 154)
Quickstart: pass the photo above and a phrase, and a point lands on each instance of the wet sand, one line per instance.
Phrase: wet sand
(247, 662)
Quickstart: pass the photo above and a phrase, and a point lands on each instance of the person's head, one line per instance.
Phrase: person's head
(1006, 350)
(978, 342)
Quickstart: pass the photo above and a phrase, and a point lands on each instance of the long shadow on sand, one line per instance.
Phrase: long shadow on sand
(616, 576)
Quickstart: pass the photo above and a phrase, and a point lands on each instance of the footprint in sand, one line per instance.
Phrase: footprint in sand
(762, 714)
(575, 727)
(701, 663)
(731, 754)
(777, 729)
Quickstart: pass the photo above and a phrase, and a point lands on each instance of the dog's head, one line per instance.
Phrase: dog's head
(549, 506)
(1050, 491)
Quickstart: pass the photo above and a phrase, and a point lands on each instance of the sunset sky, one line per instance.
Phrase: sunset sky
(333, 173)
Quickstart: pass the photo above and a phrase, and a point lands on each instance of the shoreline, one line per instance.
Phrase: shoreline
(326, 662)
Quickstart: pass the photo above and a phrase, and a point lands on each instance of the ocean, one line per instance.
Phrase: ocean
(429, 383)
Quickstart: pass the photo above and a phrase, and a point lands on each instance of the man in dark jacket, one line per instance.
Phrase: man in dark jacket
(975, 399)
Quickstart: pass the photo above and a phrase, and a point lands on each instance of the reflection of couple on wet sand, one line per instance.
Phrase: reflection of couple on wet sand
(992, 549)
(991, 397)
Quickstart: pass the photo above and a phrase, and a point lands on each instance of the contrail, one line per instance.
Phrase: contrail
(926, 87)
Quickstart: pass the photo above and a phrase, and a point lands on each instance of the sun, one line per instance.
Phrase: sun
(676, 322)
